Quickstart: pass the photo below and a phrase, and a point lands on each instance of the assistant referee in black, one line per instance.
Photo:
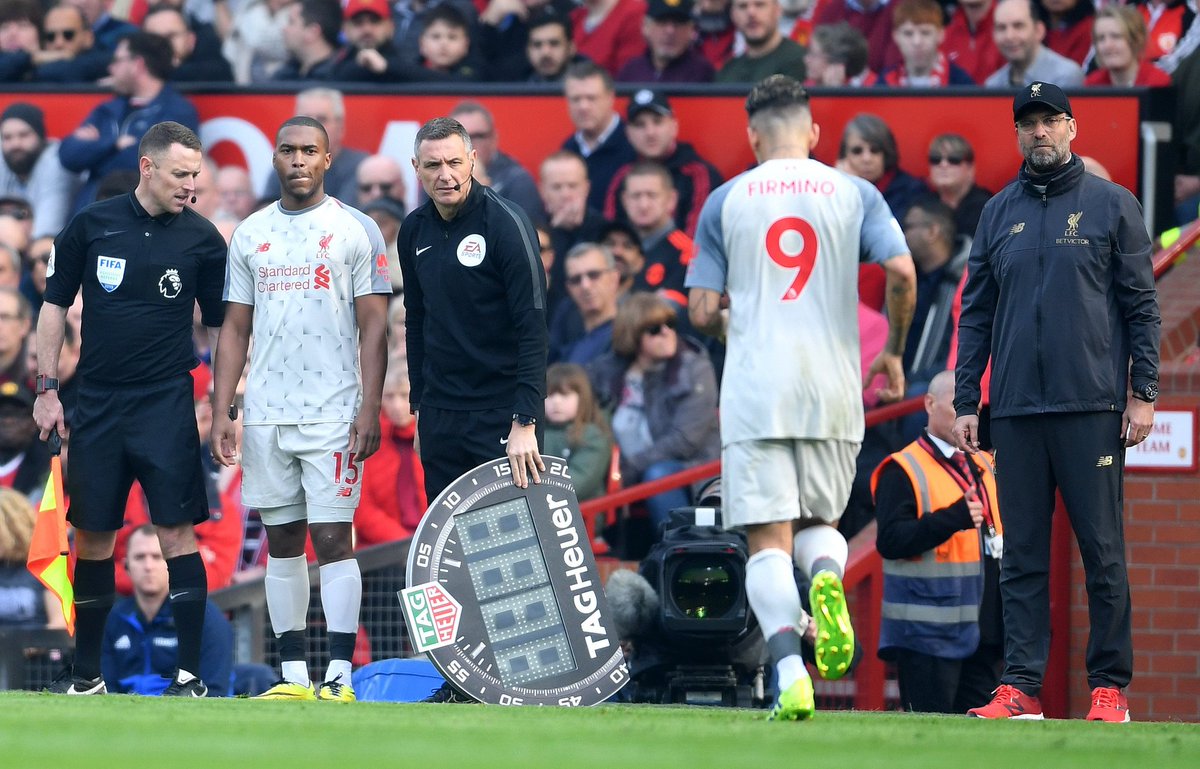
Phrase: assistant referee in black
(143, 261)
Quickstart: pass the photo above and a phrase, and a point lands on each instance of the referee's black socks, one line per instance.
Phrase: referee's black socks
(95, 586)
(188, 586)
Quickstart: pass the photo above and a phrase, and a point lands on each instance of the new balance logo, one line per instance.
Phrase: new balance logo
(263, 248)
(1104, 461)
(343, 491)
(1018, 227)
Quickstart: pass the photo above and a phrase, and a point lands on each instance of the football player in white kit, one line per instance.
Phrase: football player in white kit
(308, 278)
(783, 242)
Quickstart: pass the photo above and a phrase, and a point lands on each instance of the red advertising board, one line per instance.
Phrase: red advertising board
(239, 127)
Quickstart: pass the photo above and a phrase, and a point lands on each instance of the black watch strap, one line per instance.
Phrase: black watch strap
(524, 420)
(42, 383)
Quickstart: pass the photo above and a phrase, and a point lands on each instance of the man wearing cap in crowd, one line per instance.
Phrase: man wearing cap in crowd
(1060, 293)
(653, 130)
(768, 52)
(671, 56)
(31, 170)
(24, 460)
(371, 54)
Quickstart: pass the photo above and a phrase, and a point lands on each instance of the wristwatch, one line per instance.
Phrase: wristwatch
(524, 420)
(42, 383)
(1147, 392)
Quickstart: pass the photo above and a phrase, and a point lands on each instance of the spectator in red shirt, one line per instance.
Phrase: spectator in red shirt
(1119, 32)
(1069, 27)
(393, 493)
(969, 42)
(609, 32)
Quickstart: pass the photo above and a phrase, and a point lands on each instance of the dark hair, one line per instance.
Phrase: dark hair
(582, 70)
(639, 311)
(1036, 11)
(568, 378)
(447, 14)
(327, 15)
(545, 16)
(843, 44)
(942, 216)
(158, 8)
(874, 131)
(160, 136)
(441, 128)
(307, 122)
(776, 97)
(118, 182)
(154, 50)
(22, 10)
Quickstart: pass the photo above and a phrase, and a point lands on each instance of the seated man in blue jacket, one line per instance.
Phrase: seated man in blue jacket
(139, 651)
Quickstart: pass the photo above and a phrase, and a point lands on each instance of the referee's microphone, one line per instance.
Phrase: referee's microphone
(193, 198)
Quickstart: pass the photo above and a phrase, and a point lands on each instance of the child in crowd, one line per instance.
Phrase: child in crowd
(393, 494)
(445, 43)
(576, 429)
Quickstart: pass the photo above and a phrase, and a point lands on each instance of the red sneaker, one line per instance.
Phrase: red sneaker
(1109, 704)
(1009, 702)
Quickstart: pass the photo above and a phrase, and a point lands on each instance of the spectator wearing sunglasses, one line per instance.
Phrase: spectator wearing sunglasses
(661, 390)
(868, 150)
(68, 54)
(952, 177)
(31, 169)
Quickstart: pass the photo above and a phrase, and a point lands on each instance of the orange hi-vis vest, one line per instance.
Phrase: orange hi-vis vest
(931, 602)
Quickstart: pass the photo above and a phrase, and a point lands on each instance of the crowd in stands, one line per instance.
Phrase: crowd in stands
(615, 205)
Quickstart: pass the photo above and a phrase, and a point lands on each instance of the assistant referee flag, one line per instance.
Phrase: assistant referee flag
(49, 549)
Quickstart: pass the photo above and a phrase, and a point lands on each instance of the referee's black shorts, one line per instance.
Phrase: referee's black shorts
(456, 442)
(143, 432)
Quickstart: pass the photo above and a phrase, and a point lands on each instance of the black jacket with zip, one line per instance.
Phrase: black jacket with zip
(1060, 291)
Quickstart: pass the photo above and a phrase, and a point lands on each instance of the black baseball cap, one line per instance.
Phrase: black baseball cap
(1039, 94)
(648, 100)
(680, 10)
(16, 392)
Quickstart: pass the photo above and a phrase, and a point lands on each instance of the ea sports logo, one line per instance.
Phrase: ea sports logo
(471, 251)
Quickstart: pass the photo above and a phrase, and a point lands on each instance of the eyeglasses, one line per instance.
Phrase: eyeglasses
(1051, 123)
(863, 149)
(657, 328)
(591, 275)
(67, 35)
(384, 187)
(954, 160)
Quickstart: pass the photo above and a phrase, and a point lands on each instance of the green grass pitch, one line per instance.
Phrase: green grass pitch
(39, 731)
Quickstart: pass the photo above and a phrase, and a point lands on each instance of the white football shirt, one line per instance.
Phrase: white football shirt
(785, 240)
(301, 271)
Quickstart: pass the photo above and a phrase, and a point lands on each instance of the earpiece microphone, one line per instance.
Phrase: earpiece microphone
(193, 199)
(457, 186)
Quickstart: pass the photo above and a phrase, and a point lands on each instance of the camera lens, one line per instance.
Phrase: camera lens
(704, 588)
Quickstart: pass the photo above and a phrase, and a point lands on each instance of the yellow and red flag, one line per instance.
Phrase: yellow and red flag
(49, 552)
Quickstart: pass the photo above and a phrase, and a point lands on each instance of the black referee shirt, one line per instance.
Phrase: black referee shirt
(141, 277)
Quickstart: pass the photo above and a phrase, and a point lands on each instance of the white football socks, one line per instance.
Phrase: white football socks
(820, 547)
(772, 593)
(341, 598)
(287, 589)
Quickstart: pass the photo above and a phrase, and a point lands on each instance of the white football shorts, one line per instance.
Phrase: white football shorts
(767, 481)
(309, 465)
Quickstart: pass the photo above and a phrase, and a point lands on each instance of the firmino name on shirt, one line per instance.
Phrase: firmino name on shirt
(291, 278)
(791, 187)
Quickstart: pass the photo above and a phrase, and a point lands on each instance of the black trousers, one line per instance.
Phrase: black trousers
(931, 684)
(456, 442)
(1081, 455)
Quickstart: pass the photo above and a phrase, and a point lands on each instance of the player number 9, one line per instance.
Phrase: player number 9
(802, 262)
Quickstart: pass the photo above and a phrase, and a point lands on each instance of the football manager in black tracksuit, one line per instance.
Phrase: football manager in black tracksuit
(475, 295)
(1060, 291)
